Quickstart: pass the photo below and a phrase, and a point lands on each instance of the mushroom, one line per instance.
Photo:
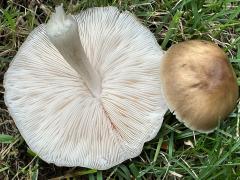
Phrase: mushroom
(84, 90)
(198, 84)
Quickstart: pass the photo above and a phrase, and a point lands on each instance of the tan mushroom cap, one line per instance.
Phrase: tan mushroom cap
(199, 84)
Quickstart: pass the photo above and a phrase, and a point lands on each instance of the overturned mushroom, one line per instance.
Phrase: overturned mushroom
(199, 84)
(84, 90)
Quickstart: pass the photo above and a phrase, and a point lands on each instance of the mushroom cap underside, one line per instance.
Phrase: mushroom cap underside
(56, 114)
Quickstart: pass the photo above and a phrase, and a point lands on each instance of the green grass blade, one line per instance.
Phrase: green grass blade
(6, 139)
(172, 28)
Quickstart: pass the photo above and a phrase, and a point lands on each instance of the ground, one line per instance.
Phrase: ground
(176, 152)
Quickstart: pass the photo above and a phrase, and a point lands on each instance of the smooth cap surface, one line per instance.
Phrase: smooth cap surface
(199, 84)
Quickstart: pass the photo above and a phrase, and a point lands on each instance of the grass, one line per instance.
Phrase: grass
(176, 152)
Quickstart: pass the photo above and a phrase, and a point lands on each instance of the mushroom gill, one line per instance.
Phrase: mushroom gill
(84, 90)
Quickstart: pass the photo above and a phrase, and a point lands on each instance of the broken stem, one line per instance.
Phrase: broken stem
(62, 31)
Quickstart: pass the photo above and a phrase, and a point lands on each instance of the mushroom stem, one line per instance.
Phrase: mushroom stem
(62, 31)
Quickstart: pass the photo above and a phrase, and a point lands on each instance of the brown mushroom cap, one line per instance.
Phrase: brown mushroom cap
(199, 84)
